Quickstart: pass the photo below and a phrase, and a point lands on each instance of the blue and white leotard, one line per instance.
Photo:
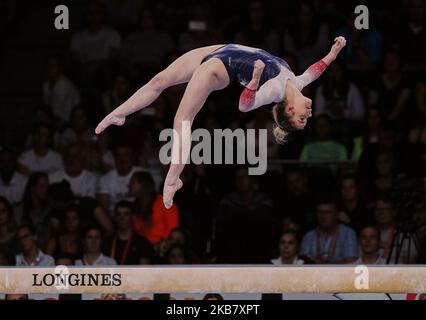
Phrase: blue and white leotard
(239, 62)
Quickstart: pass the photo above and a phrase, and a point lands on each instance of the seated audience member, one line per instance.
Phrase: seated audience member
(330, 241)
(323, 147)
(152, 220)
(79, 131)
(35, 208)
(338, 97)
(396, 245)
(147, 49)
(177, 254)
(12, 183)
(40, 157)
(114, 185)
(245, 210)
(92, 249)
(82, 181)
(59, 93)
(289, 249)
(352, 210)
(125, 246)
(98, 42)
(68, 242)
(369, 242)
(30, 255)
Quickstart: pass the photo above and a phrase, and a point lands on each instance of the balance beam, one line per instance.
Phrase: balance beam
(218, 278)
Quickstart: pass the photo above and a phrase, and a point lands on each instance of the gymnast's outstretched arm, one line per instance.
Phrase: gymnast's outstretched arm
(316, 69)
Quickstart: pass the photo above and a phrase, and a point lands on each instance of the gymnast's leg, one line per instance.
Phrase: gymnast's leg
(208, 77)
(180, 71)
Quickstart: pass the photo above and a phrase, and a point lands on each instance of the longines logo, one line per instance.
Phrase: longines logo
(62, 278)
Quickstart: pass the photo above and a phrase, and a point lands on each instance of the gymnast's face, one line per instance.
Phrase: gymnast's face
(299, 110)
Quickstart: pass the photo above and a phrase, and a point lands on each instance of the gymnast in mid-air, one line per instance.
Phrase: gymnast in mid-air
(266, 79)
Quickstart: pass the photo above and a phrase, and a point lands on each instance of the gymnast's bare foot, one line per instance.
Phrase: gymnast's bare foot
(169, 191)
(110, 119)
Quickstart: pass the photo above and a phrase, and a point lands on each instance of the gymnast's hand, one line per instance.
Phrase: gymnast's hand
(339, 43)
(257, 73)
(113, 118)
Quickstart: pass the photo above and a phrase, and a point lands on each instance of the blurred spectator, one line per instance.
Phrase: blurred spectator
(114, 185)
(200, 29)
(369, 133)
(59, 93)
(180, 236)
(388, 142)
(68, 242)
(118, 93)
(43, 116)
(255, 29)
(31, 254)
(98, 42)
(35, 205)
(385, 219)
(363, 47)
(338, 97)
(176, 255)
(369, 242)
(296, 202)
(123, 14)
(147, 49)
(352, 209)
(245, 211)
(383, 177)
(101, 159)
(323, 147)
(40, 157)
(126, 247)
(79, 130)
(331, 241)
(396, 241)
(307, 38)
(92, 249)
(12, 183)
(289, 250)
(8, 243)
(391, 92)
(153, 220)
(412, 37)
(83, 182)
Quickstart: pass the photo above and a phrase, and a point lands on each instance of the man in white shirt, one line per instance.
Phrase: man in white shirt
(83, 182)
(31, 255)
(114, 185)
(12, 183)
(59, 93)
(369, 241)
(40, 157)
(98, 42)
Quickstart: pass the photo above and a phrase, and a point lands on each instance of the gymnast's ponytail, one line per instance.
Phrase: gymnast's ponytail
(283, 125)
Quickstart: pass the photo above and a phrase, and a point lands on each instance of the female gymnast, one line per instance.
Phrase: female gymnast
(266, 78)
